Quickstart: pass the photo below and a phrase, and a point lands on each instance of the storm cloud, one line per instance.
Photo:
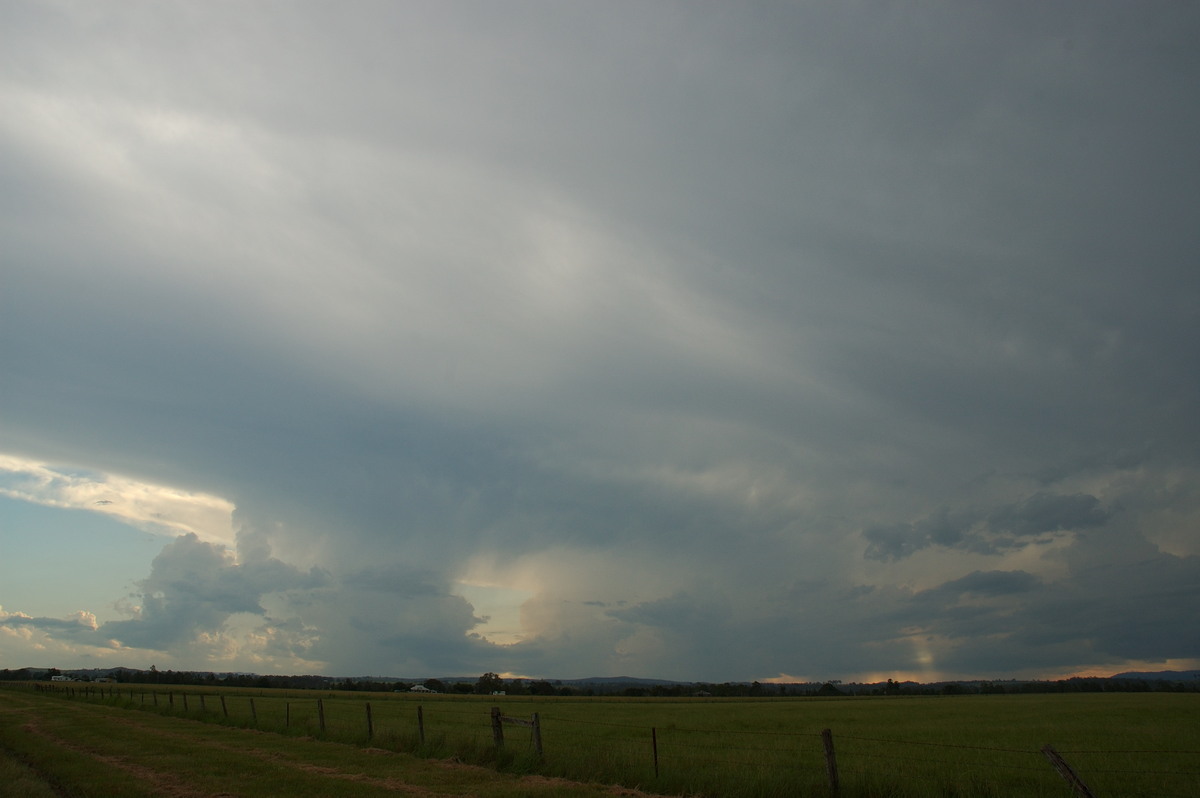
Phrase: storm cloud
(679, 340)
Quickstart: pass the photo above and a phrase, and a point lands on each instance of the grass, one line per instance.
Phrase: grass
(894, 747)
(93, 750)
(18, 780)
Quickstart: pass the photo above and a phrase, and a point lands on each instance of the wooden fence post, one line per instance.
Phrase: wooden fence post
(287, 715)
(654, 748)
(185, 706)
(171, 699)
(497, 728)
(224, 709)
(830, 761)
(420, 724)
(370, 726)
(1067, 772)
(321, 713)
(253, 712)
(203, 707)
(537, 734)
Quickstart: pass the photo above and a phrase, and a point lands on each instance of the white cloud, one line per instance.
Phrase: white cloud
(157, 509)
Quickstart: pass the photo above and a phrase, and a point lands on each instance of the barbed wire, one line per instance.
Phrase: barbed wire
(764, 732)
(595, 722)
(699, 747)
(723, 761)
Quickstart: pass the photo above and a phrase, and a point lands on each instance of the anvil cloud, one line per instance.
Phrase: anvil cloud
(689, 340)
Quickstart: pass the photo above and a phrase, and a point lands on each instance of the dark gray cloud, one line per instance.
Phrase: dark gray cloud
(1004, 528)
(989, 583)
(743, 341)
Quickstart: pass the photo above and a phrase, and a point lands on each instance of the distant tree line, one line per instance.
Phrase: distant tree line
(490, 683)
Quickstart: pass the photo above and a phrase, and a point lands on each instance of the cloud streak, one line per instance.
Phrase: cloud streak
(152, 508)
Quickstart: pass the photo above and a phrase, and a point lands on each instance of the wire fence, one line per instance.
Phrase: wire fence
(682, 759)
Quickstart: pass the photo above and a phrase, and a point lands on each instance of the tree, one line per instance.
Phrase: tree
(488, 683)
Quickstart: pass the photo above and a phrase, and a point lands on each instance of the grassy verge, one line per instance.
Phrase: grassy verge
(88, 750)
(18, 780)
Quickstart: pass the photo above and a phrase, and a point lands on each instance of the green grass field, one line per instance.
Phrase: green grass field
(1125, 744)
(84, 749)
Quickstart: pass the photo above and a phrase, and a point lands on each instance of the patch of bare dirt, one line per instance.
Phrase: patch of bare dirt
(612, 789)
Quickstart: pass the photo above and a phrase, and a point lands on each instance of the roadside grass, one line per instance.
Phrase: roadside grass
(58, 768)
(95, 750)
(18, 780)
(887, 747)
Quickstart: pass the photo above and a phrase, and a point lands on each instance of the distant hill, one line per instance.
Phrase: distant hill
(625, 681)
(1157, 676)
(606, 685)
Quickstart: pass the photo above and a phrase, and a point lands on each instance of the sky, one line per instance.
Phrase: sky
(773, 341)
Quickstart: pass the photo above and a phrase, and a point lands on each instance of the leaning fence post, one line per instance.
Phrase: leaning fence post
(830, 761)
(497, 728)
(321, 713)
(185, 706)
(370, 726)
(1067, 772)
(224, 709)
(420, 724)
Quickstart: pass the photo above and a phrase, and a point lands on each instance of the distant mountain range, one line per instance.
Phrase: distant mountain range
(606, 681)
(1169, 676)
